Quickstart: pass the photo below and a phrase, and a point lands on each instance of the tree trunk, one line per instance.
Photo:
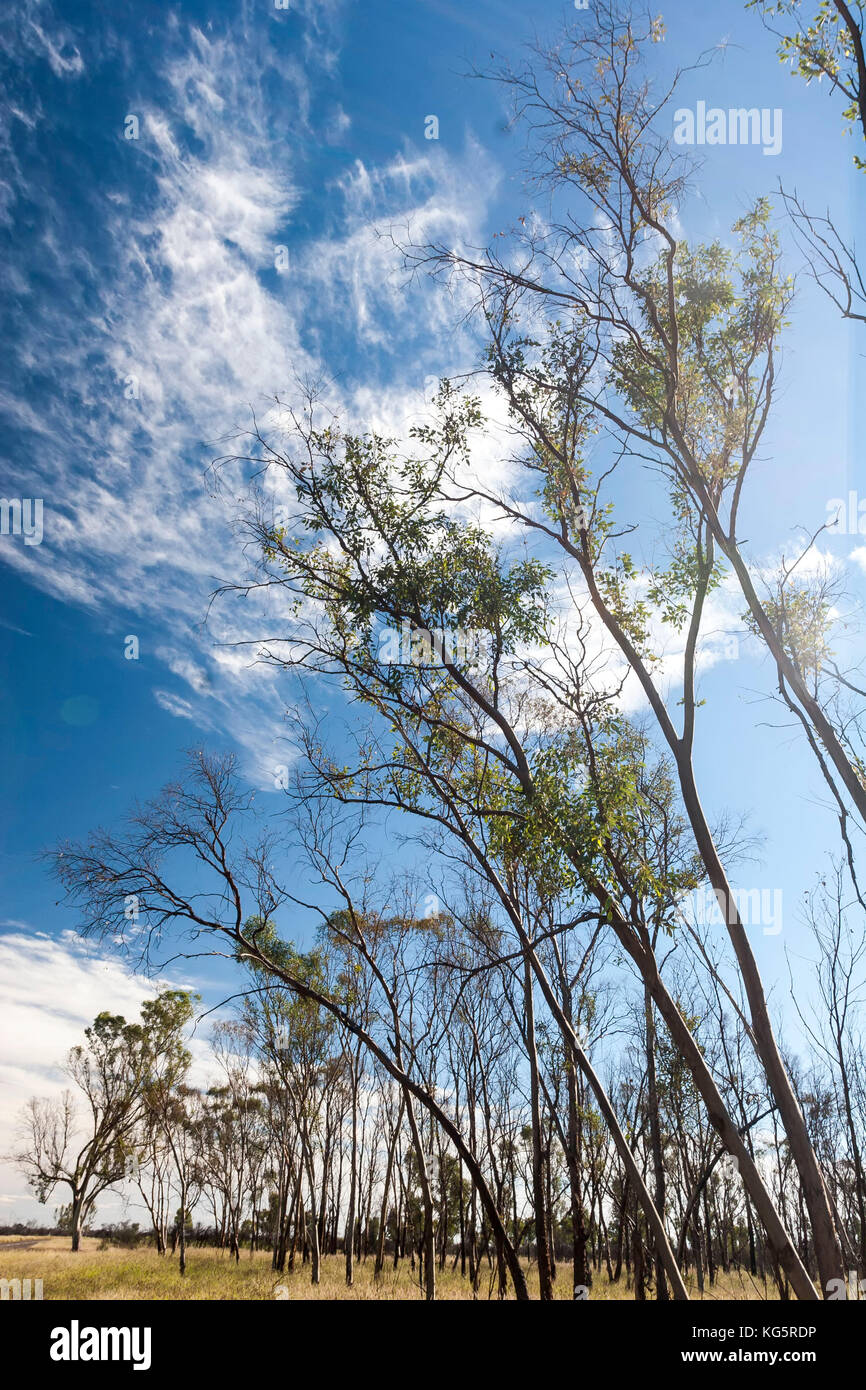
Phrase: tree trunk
(77, 1219)
(349, 1240)
(828, 1250)
(182, 1230)
(538, 1195)
(655, 1133)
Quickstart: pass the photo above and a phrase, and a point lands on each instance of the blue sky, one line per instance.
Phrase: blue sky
(143, 314)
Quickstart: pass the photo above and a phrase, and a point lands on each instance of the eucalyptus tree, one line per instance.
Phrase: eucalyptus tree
(302, 1046)
(231, 1124)
(172, 1108)
(834, 1024)
(113, 1070)
(472, 801)
(575, 965)
(486, 1056)
(523, 760)
(391, 1112)
(265, 1018)
(153, 1180)
(600, 317)
(196, 860)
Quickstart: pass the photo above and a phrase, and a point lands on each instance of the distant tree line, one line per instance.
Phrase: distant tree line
(306, 1146)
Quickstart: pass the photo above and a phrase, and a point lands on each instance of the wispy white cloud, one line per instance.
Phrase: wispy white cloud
(174, 704)
(159, 356)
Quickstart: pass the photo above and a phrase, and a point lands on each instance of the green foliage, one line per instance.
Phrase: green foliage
(821, 45)
(801, 618)
(291, 1020)
(400, 555)
(724, 309)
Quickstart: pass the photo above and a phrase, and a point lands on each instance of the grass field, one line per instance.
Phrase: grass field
(94, 1274)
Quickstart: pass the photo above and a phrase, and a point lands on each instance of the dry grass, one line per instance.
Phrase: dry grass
(95, 1274)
